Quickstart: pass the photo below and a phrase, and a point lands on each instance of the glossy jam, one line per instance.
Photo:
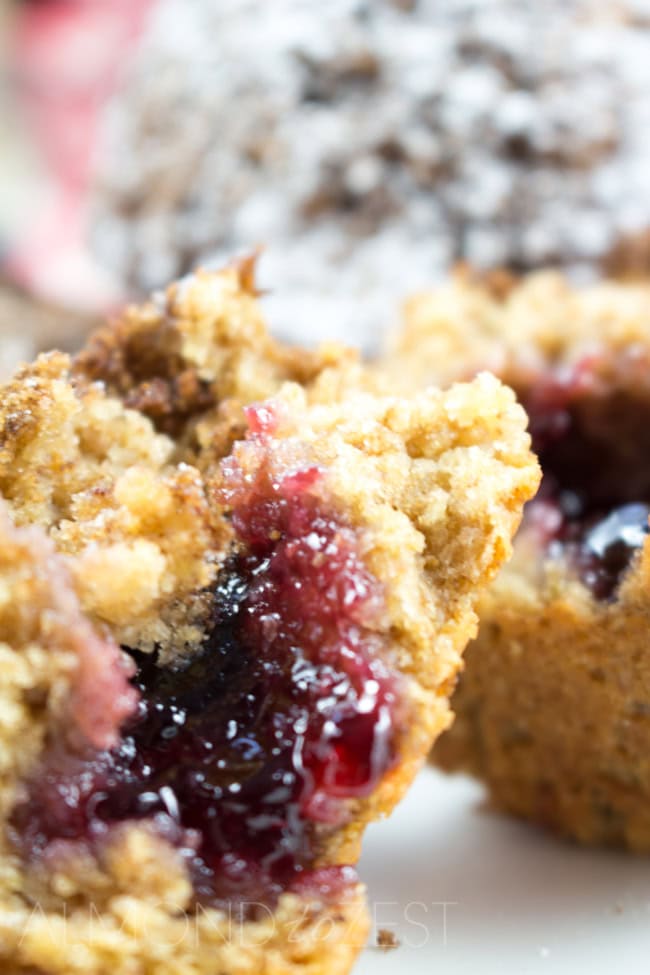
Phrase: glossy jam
(593, 505)
(245, 758)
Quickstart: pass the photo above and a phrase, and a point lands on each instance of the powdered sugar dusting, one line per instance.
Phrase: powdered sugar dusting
(368, 145)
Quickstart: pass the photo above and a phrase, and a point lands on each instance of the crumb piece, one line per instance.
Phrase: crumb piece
(387, 940)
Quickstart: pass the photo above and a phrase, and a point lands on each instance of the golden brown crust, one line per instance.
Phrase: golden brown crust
(131, 913)
(137, 529)
(434, 487)
(202, 342)
(411, 476)
(139, 937)
(553, 707)
(46, 644)
(516, 329)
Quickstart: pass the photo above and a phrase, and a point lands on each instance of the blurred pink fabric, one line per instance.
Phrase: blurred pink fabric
(67, 57)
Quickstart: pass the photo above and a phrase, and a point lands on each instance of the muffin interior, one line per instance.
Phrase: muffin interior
(246, 756)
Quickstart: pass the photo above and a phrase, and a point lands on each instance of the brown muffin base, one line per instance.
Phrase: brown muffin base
(553, 713)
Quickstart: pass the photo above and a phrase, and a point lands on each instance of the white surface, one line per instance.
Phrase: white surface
(518, 901)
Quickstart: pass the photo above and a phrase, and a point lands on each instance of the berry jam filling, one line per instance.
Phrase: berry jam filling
(594, 502)
(245, 758)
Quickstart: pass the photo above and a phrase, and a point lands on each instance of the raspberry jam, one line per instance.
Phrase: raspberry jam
(594, 502)
(245, 758)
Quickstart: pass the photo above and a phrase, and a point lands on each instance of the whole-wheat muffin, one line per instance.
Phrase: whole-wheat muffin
(553, 708)
(234, 591)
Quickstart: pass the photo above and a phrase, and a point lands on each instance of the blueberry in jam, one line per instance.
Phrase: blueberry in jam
(245, 757)
(594, 500)
(601, 546)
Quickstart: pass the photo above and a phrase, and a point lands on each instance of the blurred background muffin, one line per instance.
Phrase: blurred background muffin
(367, 146)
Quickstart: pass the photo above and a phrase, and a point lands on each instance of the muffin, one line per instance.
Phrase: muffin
(553, 707)
(235, 587)
(344, 136)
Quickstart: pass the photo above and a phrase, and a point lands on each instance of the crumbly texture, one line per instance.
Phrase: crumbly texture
(104, 451)
(433, 485)
(99, 480)
(553, 705)
(517, 328)
(192, 356)
(46, 644)
(131, 912)
(411, 476)
(138, 934)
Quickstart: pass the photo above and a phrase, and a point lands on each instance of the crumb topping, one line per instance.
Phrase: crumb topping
(327, 566)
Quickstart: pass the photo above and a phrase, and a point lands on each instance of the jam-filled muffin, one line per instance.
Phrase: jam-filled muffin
(553, 708)
(234, 591)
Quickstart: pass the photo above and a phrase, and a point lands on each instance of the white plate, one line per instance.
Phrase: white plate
(470, 892)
